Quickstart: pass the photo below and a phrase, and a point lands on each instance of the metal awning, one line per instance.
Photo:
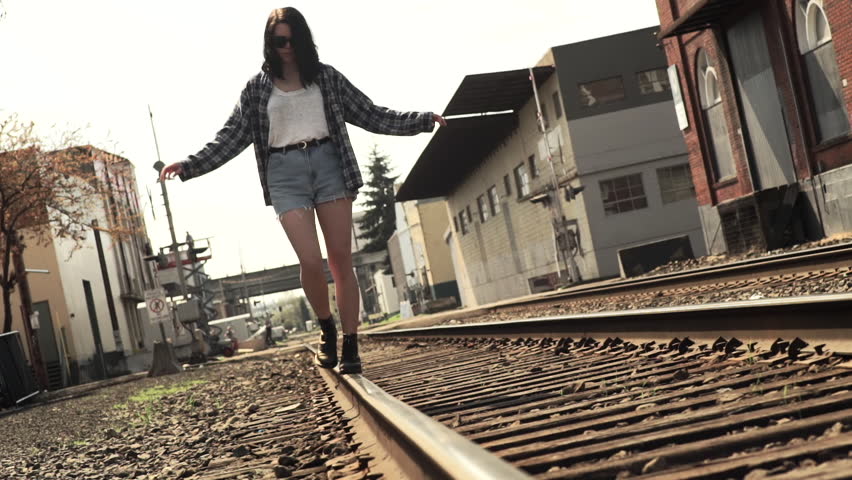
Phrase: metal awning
(700, 16)
(453, 153)
(495, 91)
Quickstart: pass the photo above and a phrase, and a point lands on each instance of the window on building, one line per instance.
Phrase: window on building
(455, 223)
(469, 217)
(493, 200)
(816, 46)
(623, 194)
(522, 181)
(533, 167)
(716, 125)
(675, 183)
(601, 92)
(483, 208)
(508, 184)
(463, 224)
(654, 81)
(557, 105)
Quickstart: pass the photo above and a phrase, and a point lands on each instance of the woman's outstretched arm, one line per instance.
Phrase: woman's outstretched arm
(360, 111)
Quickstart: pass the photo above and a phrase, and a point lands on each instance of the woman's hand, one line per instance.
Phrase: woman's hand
(171, 171)
(439, 120)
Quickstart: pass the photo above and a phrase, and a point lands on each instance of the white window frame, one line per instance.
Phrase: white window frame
(494, 200)
(522, 180)
(483, 208)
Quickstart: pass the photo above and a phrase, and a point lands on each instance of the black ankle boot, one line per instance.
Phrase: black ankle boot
(327, 351)
(350, 362)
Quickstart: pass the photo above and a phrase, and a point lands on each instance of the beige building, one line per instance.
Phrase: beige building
(86, 303)
(420, 257)
(610, 130)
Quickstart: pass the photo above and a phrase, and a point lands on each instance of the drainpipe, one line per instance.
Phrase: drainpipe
(107, 286)
(786, 54)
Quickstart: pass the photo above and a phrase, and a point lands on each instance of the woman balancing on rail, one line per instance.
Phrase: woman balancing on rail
(294, 112)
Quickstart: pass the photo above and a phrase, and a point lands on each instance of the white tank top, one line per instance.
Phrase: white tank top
(296, 116)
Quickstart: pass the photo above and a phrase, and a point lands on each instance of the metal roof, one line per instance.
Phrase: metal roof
(495, 91)
(453, 154)
(700, 16)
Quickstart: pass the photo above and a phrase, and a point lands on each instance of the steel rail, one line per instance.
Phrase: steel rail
(812, 259)
(819, 319)
(421, 446)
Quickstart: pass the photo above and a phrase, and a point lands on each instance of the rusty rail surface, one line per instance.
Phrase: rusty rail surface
(420, 446)
(824, 262)
(823, 319)
(606, 406)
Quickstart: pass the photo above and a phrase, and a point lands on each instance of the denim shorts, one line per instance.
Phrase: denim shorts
(305, 178)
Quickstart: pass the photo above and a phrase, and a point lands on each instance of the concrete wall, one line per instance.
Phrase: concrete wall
(830, 203)
(387, 293)
(84, 264)
(395, 255)
(640, 140)
(502, 253)
(43, 288)
(62, 288)
(434, 222)
(656, 222)
(465, 287)
(625, 137)
(622, 55)
(636, 134)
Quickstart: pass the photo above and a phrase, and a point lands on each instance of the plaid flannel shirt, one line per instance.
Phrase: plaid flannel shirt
(342, 103)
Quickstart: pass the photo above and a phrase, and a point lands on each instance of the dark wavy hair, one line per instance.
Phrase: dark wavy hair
(303, 43)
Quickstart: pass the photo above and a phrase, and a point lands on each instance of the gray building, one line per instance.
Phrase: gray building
(610, 129)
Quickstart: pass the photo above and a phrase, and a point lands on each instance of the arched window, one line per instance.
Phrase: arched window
(813, 33)
(714, 117)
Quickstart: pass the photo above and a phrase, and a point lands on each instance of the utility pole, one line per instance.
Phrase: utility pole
(563, 253)
(174, 246)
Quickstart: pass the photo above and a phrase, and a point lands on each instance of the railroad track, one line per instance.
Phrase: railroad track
(554, 398)
(818, 264)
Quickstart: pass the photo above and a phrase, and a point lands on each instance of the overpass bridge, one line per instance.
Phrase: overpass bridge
(281, 279)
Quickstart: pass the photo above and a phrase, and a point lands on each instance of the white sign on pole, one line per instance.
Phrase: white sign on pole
(158, 309)
(677, 96)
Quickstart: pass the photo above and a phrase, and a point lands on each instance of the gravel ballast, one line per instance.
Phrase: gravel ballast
(269, 416)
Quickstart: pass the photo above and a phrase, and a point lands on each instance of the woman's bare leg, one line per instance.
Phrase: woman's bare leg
(335, 219)
(302, 232)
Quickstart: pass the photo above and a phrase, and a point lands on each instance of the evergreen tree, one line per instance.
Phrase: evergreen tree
(379, 220)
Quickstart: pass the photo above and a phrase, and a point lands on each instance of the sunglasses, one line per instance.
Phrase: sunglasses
(281, 42)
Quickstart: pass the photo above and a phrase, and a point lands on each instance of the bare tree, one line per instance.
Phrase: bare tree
(45, 194)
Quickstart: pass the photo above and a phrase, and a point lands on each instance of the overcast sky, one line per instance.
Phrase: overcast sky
(99, 63)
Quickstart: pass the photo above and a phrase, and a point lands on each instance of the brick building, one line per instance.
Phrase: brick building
(610, 127)
(764, 107)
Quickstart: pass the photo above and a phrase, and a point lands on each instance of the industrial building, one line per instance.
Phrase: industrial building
(612, 135)
(86, 298)
(763, 102)
(422, 265)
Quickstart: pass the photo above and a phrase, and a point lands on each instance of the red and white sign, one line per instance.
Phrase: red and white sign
(158, 309)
